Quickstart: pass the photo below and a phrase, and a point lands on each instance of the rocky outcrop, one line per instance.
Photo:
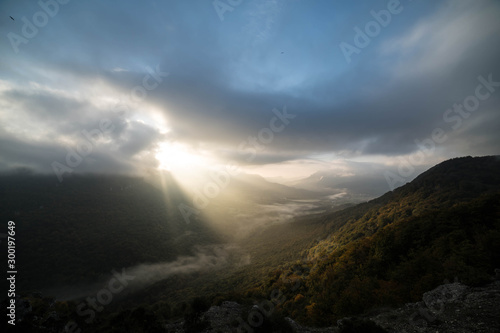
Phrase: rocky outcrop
(452, 307)
(223, 318)
(449, 308)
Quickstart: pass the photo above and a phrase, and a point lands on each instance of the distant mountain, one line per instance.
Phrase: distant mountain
(366, 185)
(258, 190)
(250, 202)
(360, 181)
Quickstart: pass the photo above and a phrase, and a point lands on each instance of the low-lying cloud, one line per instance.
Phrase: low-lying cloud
(205, 259)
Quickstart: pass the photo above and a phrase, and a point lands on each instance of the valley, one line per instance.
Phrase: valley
(326, 259)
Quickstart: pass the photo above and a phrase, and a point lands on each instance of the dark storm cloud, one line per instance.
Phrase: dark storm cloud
(374, 108)
(39, 156)
(225, 78)
(138, 138)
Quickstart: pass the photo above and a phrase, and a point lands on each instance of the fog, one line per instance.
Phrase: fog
(204, 259)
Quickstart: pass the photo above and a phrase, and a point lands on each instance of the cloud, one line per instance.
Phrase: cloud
(139, 137)
(223, 84)
(205, 259)
(456, 34)
(263, 15)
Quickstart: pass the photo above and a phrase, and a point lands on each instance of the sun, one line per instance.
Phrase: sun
(179, 159)
(187, 165)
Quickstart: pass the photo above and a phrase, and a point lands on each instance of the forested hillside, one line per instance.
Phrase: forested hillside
(444, 224)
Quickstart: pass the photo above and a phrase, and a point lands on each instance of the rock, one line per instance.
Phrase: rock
(223, 318)
(446, 293)
(448, 308)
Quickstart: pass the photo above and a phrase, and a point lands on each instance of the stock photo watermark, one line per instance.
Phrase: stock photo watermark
(373, 28)
(75, 157)
(223, 6)
(454, 116)
(222, 178)
(40, 19)
(11, 272)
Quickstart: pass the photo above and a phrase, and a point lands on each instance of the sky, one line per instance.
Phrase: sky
(277, 88)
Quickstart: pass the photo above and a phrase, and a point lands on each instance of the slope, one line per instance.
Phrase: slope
(444, 224)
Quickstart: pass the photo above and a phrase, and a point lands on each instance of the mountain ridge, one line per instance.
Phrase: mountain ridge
(446, 222)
